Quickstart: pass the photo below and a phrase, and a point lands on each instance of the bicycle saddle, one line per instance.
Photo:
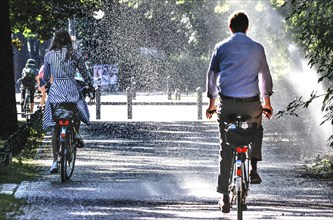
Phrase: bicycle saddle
(238, 117)
(64, 111)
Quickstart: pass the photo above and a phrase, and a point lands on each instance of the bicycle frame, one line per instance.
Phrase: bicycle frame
(239, 173)
(65, 141)
(26, 108)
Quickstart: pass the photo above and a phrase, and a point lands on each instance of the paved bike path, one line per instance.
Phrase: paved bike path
(168, 170)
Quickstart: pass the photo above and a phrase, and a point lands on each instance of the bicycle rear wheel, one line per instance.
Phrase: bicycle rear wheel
(71, 156)
(239, 205)
(26, 107)
(68, 156)
(240, 194)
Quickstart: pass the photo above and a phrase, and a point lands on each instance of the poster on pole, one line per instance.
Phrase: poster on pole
(106, 76)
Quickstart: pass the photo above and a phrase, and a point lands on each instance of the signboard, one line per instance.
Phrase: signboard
(106, 76)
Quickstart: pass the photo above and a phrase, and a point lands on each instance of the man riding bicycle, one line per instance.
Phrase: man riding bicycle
(238, 73)
(28, 82)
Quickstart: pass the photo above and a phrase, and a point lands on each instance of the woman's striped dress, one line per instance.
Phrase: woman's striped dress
(64, 87)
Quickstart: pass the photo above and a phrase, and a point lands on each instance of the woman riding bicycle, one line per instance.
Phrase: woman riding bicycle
(61, 62)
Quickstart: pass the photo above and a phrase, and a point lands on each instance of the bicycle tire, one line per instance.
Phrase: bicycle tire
(245, 176)
(26, 107)
(63, 161)
(71, 156)
(233, 168)
(245, 184)
(68, 157)
(22, 111)
(27, 104)
(240, 194)
(239, 205)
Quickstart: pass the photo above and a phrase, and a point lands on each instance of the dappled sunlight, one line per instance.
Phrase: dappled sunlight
(201, 142)
(83, 214)
(199, 187)
(78, 189)
(164, 211)
(303, 81)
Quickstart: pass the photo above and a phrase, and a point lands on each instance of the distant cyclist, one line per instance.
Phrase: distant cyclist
(28, 82)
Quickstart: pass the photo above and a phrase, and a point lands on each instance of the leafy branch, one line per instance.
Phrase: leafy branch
(297, 103)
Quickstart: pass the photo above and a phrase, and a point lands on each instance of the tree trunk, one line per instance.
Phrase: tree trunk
(8, 113)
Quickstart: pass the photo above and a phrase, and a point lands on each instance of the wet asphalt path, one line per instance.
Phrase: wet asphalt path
(168, 170)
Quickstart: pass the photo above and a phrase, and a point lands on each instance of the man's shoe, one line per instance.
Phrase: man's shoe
(54, 167)
(79, 143)
(78, 140)
(224, 204)
(254, 177)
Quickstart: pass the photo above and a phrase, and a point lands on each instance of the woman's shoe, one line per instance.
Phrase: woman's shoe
(54, 167)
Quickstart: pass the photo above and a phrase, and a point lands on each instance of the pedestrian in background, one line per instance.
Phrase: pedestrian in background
(42, 86)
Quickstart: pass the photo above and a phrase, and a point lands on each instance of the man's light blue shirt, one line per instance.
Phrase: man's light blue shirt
(238, 68)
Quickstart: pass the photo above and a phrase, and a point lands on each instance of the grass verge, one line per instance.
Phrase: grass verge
(20, 169)
(10, 206)
(320, 168)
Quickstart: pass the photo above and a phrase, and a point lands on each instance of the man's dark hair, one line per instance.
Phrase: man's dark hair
(238, 22)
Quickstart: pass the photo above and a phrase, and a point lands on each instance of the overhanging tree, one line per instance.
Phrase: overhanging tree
(40, 18)
(8, 114)
(311, 22)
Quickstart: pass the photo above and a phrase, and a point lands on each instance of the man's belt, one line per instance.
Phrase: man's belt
(61, 78)
(249, 99)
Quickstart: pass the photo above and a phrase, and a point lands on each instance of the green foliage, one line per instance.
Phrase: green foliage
(310, 22)
(9, 206)
(165, 27)
(322, 167)
(36, 134)
(22, 167)
(40, 18)
(293, 106)
(176, 29)
(192, 69)
(18, 171)
(278, 3)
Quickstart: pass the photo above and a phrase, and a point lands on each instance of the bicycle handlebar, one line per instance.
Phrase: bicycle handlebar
(265, 111)
(212, 111)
